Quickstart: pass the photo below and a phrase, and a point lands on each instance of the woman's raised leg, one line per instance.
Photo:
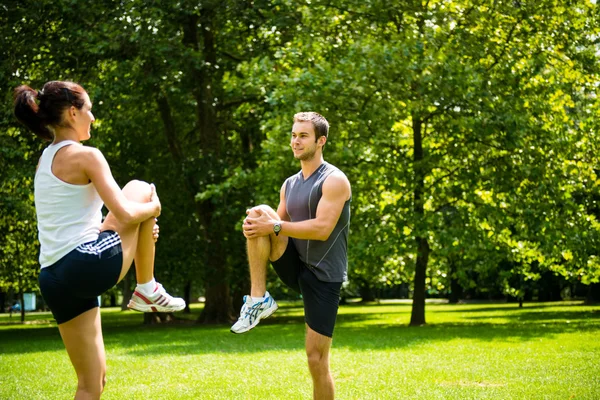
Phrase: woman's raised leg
(137, 242)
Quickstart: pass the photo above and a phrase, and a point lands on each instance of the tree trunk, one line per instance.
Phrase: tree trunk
(127, 292)
(218, 307)
(455, 287)
(418, 308)
(417, 316)
(22, 297)
(187, 296)
(2, 301)
(593, 294)
(521, 291)
(219, 310)
(366, 291)
(237, 295)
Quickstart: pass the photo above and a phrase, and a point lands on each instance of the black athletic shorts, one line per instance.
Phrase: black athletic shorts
(321, 299)
(71, 286)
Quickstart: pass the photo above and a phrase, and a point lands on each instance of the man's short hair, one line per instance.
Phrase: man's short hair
(319, 122)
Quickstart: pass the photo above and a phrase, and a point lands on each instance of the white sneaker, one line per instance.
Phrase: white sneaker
(158, 301)
(252, 313)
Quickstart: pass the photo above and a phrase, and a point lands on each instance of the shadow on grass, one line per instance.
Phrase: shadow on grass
(356, 330)
(505, 307)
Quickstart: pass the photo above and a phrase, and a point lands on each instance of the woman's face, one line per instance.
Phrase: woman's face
(83, 118)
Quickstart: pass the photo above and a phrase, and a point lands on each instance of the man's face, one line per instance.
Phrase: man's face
(303, 141)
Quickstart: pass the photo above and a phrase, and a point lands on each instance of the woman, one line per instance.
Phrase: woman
(81, 257)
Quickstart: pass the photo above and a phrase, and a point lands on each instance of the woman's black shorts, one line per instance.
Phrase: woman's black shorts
(71, 286)
(321, 299)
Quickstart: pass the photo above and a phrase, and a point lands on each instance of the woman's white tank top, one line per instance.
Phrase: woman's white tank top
(67, 215)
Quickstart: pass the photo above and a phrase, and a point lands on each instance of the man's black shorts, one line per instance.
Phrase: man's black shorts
(71, 286)
(321, 299)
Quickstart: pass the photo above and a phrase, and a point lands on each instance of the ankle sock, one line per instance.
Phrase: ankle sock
(148, 287)
(258, 299)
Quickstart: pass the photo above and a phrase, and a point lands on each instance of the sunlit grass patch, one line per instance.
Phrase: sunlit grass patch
(466, 351)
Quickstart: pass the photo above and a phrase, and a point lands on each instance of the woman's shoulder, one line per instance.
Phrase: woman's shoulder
(86, 151)
(84, 156)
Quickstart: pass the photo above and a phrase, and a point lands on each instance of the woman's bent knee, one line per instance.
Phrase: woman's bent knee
(137, 190)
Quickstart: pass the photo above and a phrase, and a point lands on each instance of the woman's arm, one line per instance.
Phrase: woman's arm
(96, 168)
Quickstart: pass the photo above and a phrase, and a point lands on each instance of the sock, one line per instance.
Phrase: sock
(148, 287)
(257, 299)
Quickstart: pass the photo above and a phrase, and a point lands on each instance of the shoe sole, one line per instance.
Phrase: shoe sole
(268, 312)
(153, 308)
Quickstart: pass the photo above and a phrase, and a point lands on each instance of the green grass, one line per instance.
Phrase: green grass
(491, 351)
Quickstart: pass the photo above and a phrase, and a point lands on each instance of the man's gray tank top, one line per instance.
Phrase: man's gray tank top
(328, 259)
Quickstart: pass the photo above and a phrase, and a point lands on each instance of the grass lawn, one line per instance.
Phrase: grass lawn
(477, 351)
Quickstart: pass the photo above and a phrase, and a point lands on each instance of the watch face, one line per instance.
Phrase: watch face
(276, 228)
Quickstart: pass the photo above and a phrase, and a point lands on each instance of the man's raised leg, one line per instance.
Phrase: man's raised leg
(259, 305)
(258, 250)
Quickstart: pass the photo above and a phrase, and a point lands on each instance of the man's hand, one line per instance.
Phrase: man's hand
(262, 225)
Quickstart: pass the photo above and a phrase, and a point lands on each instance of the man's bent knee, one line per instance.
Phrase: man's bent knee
(253, 213)
(263, 209)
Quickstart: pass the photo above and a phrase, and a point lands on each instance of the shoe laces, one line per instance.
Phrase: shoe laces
(249, 307)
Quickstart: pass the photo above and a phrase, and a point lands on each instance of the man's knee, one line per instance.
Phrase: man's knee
(254, 213)
(261, 209)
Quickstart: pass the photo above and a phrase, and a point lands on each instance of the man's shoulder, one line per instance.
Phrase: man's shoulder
(335, 173)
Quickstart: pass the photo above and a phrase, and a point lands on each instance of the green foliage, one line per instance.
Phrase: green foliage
(18, 234)
(470, 127)
(499, 92)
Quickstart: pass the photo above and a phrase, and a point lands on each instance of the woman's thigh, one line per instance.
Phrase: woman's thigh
(139, 192)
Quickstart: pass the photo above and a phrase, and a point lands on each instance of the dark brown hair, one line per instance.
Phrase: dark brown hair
(47, 112)
(319, 122)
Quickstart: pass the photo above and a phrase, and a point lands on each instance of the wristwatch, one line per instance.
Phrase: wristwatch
(277, 228)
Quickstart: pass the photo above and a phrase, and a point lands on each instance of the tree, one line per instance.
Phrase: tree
(450, 109)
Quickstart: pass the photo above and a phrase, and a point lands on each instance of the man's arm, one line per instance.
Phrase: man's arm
(336, 191)
(281, 209)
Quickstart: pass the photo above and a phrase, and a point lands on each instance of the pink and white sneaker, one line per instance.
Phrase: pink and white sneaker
(158, 301)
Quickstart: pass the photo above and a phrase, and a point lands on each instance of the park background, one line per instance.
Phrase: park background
(468, 130)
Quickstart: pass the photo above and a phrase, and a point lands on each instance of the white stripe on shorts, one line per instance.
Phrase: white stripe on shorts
(97, 248)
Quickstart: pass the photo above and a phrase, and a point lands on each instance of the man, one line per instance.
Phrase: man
(306, 242)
